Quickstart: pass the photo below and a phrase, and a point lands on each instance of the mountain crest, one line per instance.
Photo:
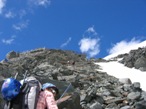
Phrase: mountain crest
(90, 87)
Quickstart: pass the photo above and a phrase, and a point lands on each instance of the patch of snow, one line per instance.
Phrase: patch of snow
(118, 70)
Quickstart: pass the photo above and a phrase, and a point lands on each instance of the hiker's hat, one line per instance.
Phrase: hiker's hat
(50, 85)
(10, 89)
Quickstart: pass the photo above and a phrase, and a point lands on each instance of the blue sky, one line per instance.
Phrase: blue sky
(94, 27)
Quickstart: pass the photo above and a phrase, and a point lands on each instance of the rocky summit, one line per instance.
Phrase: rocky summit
(87, 87)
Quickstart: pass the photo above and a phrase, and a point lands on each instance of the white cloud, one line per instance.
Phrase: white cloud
(21, 25)
(91, 30)
(40, 2)
(123, 45)
(2, 4)
(44, 2)
(66, 43)
(9, 41)
(9, 14)
(90, 46)
(28, 7)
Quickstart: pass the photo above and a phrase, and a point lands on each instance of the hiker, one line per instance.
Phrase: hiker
(47, 97)
(21, 95)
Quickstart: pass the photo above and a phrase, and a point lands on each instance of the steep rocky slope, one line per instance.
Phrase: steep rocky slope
(90, 88)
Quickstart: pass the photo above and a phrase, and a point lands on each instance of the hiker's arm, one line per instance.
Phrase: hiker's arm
(51, 103)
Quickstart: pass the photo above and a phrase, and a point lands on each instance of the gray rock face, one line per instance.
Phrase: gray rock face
(96, 105)
(125, 80)
(12, 54)
(136, 59)
(140, 63)
(90, 88)
(134, 95)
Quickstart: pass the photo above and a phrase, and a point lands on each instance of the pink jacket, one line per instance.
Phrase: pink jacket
(46, 100)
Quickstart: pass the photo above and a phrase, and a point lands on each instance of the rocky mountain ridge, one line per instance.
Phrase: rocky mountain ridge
(91, 89)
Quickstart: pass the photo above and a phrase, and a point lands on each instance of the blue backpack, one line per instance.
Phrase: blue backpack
(28, 95)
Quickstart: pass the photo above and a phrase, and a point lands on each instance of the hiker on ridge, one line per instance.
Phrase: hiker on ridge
(47, 97)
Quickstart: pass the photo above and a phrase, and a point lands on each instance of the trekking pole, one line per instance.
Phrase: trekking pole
(16, 75)
(65, 91)
(58, 101)
(25, 75)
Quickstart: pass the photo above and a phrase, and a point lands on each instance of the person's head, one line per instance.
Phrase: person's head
(50, 87)
(10, 88)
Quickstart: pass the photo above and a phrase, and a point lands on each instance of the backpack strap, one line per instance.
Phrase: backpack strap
(25, 91)
(28, 86)
(34, 84)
